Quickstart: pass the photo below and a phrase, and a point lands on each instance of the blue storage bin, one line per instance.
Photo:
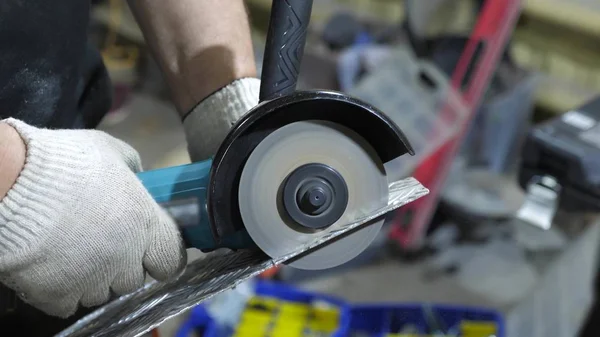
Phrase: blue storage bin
(372, 320)
(368, 321)
(379, 320)
(203, 325)
(199, 323)
(292, 294)
(402, 316)
(452, 315)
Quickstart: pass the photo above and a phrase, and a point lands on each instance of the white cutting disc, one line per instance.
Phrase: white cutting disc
(290, 147)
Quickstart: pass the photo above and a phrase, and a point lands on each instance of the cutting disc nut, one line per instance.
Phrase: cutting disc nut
(315, 195)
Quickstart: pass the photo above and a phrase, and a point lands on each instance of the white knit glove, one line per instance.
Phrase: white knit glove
(78, 226)
(207, 125)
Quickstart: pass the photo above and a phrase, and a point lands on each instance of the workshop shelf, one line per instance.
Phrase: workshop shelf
(559, 39)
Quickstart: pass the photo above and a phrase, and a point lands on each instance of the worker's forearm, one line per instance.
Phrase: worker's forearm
(12, 158)
(201, 45)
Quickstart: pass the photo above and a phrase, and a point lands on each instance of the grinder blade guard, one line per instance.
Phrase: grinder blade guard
(301, 161)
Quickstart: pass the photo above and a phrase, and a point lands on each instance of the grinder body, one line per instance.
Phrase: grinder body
(202, 196)
(181, 191)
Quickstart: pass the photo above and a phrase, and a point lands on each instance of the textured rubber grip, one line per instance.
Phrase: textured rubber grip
(284, 48)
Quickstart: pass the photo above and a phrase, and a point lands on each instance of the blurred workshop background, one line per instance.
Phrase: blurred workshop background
(499, 248)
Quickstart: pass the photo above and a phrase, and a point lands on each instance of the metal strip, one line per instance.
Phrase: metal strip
(147, 308)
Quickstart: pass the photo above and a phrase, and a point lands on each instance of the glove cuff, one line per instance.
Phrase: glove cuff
(38, 193)
(209, 122)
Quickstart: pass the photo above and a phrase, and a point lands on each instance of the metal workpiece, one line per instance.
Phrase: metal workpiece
(137, 313)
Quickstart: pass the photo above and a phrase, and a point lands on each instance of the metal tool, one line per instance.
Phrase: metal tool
(560, 165)
(295, 165)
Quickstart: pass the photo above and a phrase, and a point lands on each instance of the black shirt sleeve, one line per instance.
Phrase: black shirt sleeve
(49, 75)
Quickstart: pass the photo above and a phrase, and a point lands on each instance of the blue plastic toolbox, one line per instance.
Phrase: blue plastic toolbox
(280, 309)
(199, 323)
(412, 320)
(300, 313)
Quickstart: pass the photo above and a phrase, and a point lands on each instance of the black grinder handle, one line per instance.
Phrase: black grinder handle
(284, 48)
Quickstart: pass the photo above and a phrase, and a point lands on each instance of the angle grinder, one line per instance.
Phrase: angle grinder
(296, 164)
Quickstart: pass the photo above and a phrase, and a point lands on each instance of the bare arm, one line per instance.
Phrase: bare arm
(201, 45)
(12, 158)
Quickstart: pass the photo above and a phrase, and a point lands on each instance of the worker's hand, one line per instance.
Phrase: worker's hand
(207, 125)
(78, 226)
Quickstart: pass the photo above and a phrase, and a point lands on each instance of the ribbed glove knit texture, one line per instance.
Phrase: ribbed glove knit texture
(207, 125)
(78, 226)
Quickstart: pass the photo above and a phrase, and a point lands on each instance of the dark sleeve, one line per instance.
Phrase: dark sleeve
(49, 75)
